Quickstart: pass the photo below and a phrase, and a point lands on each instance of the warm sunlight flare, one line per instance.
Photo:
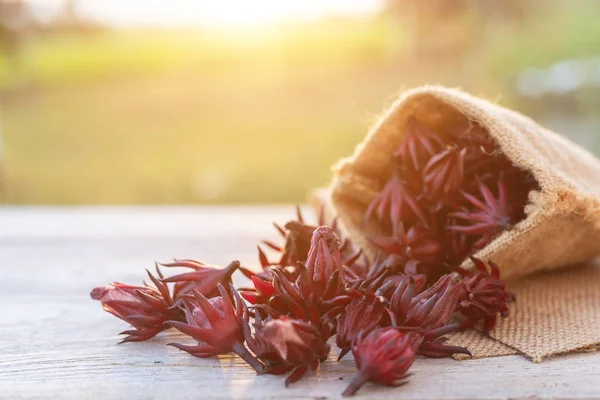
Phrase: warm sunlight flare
(226, 14)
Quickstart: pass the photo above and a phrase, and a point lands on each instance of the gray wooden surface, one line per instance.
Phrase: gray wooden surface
(57, 343)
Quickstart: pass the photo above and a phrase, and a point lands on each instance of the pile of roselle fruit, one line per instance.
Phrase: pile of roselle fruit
(448, 195)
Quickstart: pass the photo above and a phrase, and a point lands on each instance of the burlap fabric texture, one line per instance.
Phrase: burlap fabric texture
(555, 312)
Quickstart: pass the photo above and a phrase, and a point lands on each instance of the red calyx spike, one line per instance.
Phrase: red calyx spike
(263, 290)
(383, 356)
(146, 308)
(217, 324)
(204, 278)
(433, 343)
(298, 344)
(485, 295)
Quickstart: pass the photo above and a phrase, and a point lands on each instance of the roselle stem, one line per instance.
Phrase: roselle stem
(356, 383)
(243, 352)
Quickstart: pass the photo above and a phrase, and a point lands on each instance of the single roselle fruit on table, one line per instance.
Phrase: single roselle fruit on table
(264, 350)
(383, 356)
(361, 315)
(204, 278)
(485, 295)
(217, 324)
(431, 308)
(298, 344)
(146, 308)
(428, 313)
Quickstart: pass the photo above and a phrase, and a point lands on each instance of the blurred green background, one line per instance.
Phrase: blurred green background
(98, 109)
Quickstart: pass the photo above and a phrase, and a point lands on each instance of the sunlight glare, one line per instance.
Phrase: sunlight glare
(224, 14)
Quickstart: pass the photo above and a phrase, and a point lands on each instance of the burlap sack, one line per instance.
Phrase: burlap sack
(556, 312)
(562, 224)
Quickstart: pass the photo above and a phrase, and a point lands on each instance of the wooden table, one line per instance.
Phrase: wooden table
(55, 342)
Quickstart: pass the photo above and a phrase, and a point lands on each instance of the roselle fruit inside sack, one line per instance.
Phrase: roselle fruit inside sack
(449, 194)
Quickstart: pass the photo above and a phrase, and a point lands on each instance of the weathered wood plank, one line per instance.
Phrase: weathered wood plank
(57, 343)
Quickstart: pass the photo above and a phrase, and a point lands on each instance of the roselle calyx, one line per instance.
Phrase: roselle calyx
(383, 356)
(428, 314)
(324, 259)
(145, 307)
(298, 344)
(489, 216)
(263, 349)
(485, 295)
(297, 236)
(416, 244)
(360, 315)
(219, 329)
(396, 203)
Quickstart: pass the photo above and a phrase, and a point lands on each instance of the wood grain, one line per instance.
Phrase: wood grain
(57, 343)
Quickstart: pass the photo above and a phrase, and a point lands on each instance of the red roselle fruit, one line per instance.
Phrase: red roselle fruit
(396, 203)
(324, 258)
(298, 237)
(361, 315)
(217, 325)
(428, 313)
(416, 244)
(383, 356)
(261, 345)
(297, 343)
(146, 308)
(485, 295)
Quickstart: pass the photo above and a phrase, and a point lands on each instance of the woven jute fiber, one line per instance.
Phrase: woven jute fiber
(562, 224)
(555, 312)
